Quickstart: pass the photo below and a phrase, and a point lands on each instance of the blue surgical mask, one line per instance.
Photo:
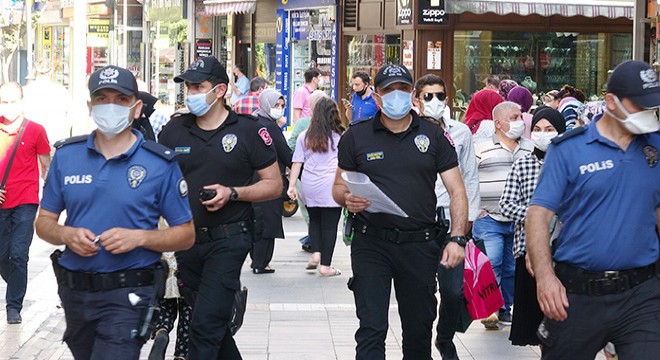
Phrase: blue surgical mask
(197, 103)
(396, 104)
(111, 119)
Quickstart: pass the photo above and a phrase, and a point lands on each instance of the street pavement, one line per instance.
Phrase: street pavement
(292, 314)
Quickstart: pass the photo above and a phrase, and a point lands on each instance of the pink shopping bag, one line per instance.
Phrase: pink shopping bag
(482, 293)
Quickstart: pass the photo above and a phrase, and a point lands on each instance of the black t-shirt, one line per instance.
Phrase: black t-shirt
(404, 166)
(228, 155)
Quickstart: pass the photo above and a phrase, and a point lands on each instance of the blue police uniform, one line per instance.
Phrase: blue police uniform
(363, 108)
(607, 199)
(129, 191)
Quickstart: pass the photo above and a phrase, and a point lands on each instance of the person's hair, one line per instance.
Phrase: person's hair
(215, 80)
(314, 98)
(325, 121)
(571, 91)
(257, 83)
(492, 80)
(15, 85)
(503, 106)
(240, 68)
(427, 80)
(362, 75)
(310, 74)
(43, 66)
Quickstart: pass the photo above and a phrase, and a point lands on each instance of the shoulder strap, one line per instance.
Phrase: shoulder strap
(160, 150)
(13, 153)
(71, 140)
(569, 134)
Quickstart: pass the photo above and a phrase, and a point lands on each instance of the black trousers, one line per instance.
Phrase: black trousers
(262, 252)
(412, 267)
(323, 231)
(450, 283)
(210, 273)
(629, 320)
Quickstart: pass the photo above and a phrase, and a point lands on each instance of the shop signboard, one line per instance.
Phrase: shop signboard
(304, 4)
(408, 51)
(403, 12)
(282, 79)
(203, 48)
(431, 12)
(434, 55)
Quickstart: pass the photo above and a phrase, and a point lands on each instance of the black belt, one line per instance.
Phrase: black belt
(394, 235)
(579, 281)
(95, 281)
(208, 234)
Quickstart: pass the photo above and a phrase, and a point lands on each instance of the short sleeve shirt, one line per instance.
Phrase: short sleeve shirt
(23, 182)
(606, 198)
(301, 100)
(363, 108)
(243, 84)
(132, 190)
(228, 155)
(404, 166)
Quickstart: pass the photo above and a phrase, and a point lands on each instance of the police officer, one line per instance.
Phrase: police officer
(603, 285)
(389, 247)
(219, 153)
(114, 186)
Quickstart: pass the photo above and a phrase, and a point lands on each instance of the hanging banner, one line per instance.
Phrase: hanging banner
(434, 55)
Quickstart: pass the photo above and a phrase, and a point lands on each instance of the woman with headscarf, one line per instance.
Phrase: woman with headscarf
(317, 149)
(271, 110)
(547, 123)
(572, 99)
(481, 108)
(506, 86)
(523, 97)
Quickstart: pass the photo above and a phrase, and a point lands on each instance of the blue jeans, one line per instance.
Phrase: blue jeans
(16, 231)
(498, 239)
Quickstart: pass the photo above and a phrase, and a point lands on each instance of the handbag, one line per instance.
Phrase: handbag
(464, 318)
(13, 153)
(482, 293)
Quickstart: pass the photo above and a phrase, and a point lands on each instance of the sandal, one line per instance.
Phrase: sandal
(334, 272)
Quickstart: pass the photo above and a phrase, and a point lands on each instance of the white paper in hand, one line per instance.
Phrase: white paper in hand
(360, 185)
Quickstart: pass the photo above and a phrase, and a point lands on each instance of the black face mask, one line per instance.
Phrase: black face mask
(361, 92)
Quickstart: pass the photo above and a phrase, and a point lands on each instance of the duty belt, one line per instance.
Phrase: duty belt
(96, 281)
(579, 281)
(394, 235)
(208, 234)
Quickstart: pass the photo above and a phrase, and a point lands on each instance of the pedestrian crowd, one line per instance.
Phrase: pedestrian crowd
(162, 213)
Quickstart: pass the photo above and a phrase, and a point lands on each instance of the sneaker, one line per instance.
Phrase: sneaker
(14, 316)
(505, 318)
(447, 350)
(160, 345)
(307, 248)
(490, 323)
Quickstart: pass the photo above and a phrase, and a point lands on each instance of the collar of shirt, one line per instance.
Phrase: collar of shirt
(378, 125)
(231, 118)
(127, 154)
(308, 89)
(593, 134)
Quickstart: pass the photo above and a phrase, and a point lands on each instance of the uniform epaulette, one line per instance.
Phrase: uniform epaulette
(249, 116)
(71, 140)
(160, 150)
(430, 119)
(180, 113)
(361, 121)
(569, 134)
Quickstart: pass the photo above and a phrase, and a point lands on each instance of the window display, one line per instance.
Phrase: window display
(311, 45)
(369, 53)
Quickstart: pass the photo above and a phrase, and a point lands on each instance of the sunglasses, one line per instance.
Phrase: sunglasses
(440, 95)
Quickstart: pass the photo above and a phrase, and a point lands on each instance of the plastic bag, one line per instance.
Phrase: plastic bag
(482, 293)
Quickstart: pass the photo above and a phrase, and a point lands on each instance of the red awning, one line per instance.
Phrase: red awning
(588, 8)
(224, 7)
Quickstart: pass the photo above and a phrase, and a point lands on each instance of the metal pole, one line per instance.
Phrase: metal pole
(157, 59)
(125, 33)
(638, 30)
(29, 36)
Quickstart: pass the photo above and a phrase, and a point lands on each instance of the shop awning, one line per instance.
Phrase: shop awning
(224, 7)
(588, 8)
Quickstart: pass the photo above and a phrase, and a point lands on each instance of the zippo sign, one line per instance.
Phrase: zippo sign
(431, 12)
(403, 12)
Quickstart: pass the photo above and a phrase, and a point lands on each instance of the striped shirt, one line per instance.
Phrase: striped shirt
(494, 161)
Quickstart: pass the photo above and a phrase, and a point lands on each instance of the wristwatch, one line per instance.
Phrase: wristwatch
(460, 240)
(233, 195)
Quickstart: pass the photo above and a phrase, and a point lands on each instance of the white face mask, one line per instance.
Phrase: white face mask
(11, 111)
(434, 108)
(111, 119)
(321, 82)
(516, 129)
(542, 139)
(276, 113)
(642, 122)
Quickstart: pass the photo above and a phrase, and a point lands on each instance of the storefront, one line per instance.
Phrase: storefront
(307, 36)
(53, 40)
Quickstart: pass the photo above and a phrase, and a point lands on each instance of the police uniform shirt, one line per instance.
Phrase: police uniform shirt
(131, 191)
(404, 166)
(607, 199)
(228, 155)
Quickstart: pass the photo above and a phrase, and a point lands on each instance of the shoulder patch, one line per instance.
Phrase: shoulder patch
(569, 134)
(160, 150)
(71, 140)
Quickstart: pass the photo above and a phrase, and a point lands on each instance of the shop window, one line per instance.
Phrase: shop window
(538, 61)
(369, 53)
(265, 58)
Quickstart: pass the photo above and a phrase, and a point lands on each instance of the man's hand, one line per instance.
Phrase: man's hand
(80, 241)
(528, 265)
(552, 297)
(356, 204)
(453, 255)
(120, 240)
(220, 200)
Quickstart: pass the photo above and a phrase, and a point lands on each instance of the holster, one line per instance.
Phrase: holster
(147, 323)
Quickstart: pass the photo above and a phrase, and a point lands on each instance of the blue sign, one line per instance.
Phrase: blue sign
(282, 51)
(333, 61)
(303, 4)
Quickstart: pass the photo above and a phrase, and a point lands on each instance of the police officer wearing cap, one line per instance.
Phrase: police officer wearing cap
(114, 186)
(219, 152)
(402, 154)
(603, 286)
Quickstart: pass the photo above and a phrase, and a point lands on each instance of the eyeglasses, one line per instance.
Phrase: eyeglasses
(440, 95)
